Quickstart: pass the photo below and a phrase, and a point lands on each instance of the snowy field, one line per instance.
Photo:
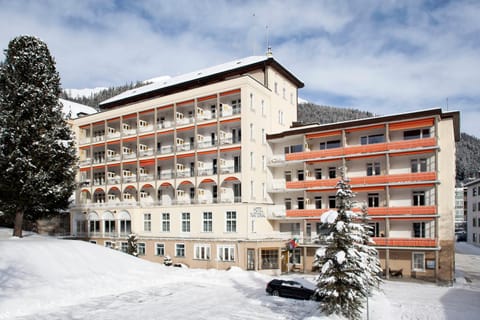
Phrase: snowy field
(46, 278)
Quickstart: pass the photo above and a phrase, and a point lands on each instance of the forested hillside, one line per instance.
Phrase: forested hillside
(468, 148)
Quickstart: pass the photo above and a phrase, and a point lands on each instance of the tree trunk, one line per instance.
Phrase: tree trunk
(17, 229)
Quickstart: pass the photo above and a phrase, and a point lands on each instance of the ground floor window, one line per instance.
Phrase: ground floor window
(179, 250)
(418, 261)
(141, 249)
(201, 251)
(109, 244)
(159, 249)
(124, 247)
(269, 258)
(226, 253)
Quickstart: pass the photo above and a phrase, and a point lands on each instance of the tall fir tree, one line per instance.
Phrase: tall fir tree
(349, 266)
(37, 153)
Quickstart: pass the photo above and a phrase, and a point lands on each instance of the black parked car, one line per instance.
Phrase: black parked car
(291, 289)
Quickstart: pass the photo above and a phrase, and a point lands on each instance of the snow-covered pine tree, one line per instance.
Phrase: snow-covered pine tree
(37, 154)
(348, 266)
(132, 247)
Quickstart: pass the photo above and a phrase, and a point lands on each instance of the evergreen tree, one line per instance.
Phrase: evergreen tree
(349, 266)
(132, 248)
(36, 146)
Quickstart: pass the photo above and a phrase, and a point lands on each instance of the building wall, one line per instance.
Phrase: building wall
(473, 213)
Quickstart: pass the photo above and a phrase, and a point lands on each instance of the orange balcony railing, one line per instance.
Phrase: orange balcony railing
(368, 148)
(364, 180)
(405, 242)
(391, 211)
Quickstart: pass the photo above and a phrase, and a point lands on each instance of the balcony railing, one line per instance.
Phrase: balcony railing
(368, 148)
(373, 211)
(405, 242)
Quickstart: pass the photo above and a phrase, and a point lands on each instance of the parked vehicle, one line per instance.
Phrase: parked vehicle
(291, 289)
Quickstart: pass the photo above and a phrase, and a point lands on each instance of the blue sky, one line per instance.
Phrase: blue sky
(381, 56)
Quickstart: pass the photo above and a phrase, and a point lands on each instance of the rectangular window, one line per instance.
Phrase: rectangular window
(141, 248)
(416, 134)
(288, 176)
(296, 256)
(301, 203)
(109, 244)
(418, 165)
(147, 222)
(332, 172)
(300, 175)
(201, 251)
(373, 229)
(124, 246)
(474, 222)
(179, 250)
(418, 261)
(332, 203)
(373, 200)
(318, 173)
(231, 221)
(318, 202)
(419, 230)
(226, 252)
(166, 222)
(159, 249)
(474, 191)
(373, 169)
(293, 148)
(330, 144)
(418, 198)
(288, 204)
(207, 222)
(269, 258)
(185, 221)
(371, 139)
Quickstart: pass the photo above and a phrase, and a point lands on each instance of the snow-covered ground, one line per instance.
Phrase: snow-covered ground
(46, 278)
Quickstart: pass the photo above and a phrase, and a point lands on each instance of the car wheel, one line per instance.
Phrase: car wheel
(275, 293)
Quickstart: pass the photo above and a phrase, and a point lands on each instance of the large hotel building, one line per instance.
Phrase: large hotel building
(208, 168)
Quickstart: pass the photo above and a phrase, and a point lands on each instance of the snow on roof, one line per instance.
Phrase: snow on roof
(188, 77)
(76, 109)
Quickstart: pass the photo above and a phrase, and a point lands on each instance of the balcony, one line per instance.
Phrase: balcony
(360, 149)
(364, 180)
(399, 211)
(406, 242)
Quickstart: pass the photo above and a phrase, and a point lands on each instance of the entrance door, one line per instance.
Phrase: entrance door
(250, 259)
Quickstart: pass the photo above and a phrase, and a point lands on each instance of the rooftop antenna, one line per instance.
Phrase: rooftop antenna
(269, 48)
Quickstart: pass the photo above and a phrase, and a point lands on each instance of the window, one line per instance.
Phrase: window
(474, 237)
(419, 229)
(124, 246)
(276, 87)
(418, 198)
(318, 202)
(300, 175)
(231, 221)
(373, 169)
(301, 203)
(288, 204)
(264, 137)
(318, 173)
(293, 228)
(280, 116)
(166, 222)
(373, 229)
(474, 191)
(375, 138)
(185, 221)
(288, 176)
(332, 172)
(373, 200)
(293, 148)
(418, 165)
(416, 134)
(263, 107)
(179, 250)
(418, 261)
(141, 248)
(330, 144)
(147, 222)
(474, 222)
(252, 135)
(201, 251)
(332, 203)
(226, 252)
(251, 101)
(109, 244)
(109, 226)
(252, 160)
(269, 258)
(159, 249)
(207, 222)
(474, 206)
